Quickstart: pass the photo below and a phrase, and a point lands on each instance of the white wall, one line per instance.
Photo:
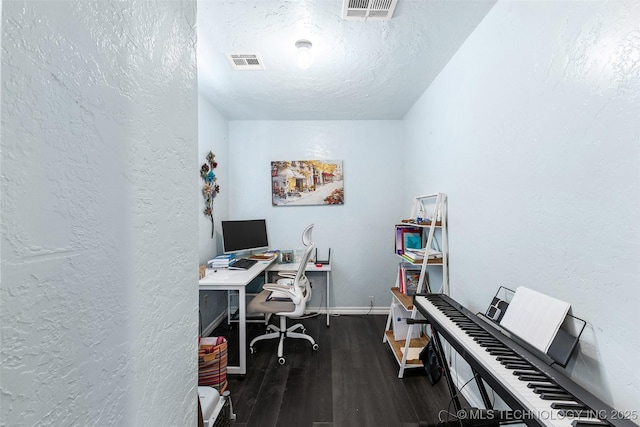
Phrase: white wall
(99, 239)
(213, 135)
(532, 129)
(360, 232)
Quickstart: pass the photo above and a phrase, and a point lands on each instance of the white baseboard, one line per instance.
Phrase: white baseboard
(349, 310)
(222, 317)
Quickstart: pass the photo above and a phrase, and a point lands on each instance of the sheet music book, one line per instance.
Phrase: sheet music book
(535, 317)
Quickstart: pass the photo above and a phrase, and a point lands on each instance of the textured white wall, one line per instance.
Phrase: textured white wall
(360, 232)
(213, 135)
(532, 129)
(99, 237)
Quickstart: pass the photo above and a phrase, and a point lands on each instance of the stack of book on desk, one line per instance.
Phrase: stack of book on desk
(222, 261)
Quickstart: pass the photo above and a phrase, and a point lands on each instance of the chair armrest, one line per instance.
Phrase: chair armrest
(276, 287)
(283, 289)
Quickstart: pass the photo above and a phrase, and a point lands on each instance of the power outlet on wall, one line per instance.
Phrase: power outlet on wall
(372, 300)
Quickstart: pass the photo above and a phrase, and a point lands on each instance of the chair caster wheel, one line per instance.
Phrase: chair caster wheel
(304, 330)
(252, 350)
(315, 347)
(281, 360)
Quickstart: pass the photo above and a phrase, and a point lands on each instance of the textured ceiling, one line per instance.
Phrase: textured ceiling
(361, 70)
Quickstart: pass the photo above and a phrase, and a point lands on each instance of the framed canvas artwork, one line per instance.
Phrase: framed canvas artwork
(307, 182)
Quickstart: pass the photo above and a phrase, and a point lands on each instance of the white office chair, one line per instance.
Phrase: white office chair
(286, 298)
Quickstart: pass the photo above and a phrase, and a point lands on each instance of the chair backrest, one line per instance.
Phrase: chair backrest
(301, 285)
(301, 278)
(306, 235)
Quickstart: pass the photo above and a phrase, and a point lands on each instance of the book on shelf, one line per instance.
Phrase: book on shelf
(417, 255)
(413, 256)
(409, 278)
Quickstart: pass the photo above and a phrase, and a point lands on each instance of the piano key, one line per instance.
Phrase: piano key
(519, 372)
(567, 405)
(589, 423)
(557, 397)
(547, 389)
(508, 359)
(516, 365)
(530, 377)
(541, 384)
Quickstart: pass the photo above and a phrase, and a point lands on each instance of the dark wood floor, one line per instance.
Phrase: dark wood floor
(352, 380)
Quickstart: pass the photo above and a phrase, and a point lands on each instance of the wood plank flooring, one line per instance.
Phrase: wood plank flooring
(352, 380)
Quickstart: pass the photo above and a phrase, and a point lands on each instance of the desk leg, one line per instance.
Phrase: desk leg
(328, 279)
(243, 330)
(241, 369)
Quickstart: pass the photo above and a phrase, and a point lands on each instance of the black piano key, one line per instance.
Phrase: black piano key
(500, 351)
(499, 347)
(485, 344)
(517, 365)
(589, 423)
(567, 405)
(508, 359)
(547, 389)
(545, 383)
(484, 341)
(531, 377)
(562, 397)
(526, 372)
(487, 339)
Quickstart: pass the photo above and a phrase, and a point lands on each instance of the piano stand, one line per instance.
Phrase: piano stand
(453, 392)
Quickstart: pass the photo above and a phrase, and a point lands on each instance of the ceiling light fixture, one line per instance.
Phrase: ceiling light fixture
(305, 58)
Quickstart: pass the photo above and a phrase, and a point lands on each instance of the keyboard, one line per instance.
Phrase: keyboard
(243, 264)
(537, 393)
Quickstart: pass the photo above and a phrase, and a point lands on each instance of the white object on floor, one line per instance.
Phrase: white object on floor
(211, 404)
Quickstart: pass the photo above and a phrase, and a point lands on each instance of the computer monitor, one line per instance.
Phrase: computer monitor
(244, 235)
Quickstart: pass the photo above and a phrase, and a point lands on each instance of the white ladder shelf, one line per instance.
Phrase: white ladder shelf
(429, 214)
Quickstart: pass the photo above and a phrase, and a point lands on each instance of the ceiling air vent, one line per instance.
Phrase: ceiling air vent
(245, 61)
(362, 10)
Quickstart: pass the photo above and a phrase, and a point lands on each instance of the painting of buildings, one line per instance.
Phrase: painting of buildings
(307, 182)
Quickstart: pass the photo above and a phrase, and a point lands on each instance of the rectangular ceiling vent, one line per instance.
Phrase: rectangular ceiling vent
(245, 61)
(363, 10)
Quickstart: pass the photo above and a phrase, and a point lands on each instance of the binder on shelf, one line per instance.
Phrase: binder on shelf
(407, 237)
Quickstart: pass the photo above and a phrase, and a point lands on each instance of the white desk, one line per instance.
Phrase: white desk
(325, 268)
(235, 280)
